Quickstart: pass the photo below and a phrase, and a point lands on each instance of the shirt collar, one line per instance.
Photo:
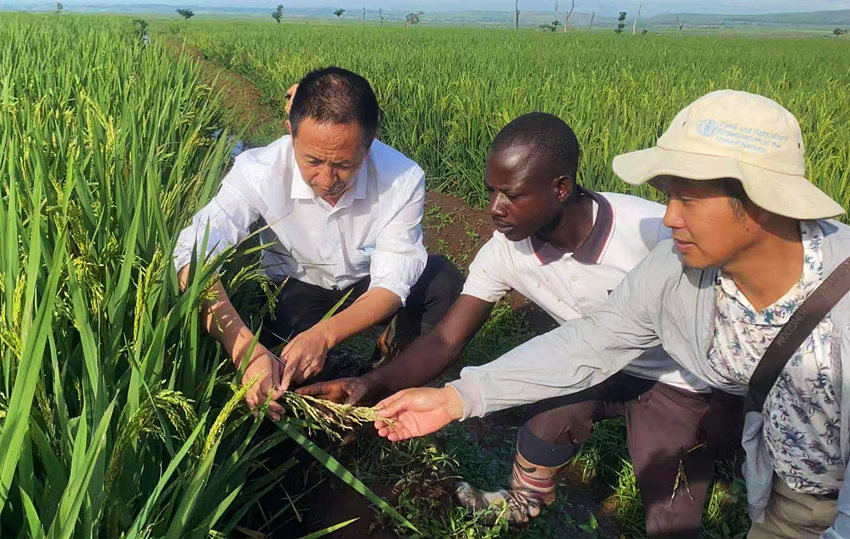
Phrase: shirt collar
(591, 251)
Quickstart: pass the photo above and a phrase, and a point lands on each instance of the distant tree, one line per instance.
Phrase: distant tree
(644, 32)
(839, 32)
(59, 7)
(339, 13)
(680, 23)
(590, 25)
(621, 23)
(634, 25)
(186, 13)
(277, 14)
(381, 15)
(550, 27)
(412, 18)
(569, 14)
(364, 13)
(516, 14)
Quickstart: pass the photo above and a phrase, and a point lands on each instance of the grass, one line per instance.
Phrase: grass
(119, 416)
(445, 92)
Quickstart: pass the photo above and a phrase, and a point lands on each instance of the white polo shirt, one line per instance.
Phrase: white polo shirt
(565, 285)
(374, 229)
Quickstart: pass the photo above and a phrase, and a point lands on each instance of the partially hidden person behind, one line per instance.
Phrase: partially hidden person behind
(565, 248)
(339, 215)
(750, 295)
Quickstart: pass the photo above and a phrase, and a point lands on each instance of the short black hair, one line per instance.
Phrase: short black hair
(339, 96)
(734, 189)
(549, 136)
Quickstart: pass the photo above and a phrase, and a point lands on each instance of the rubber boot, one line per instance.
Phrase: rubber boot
(532, 487)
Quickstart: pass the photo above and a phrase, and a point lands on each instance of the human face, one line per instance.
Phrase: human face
(708, 230)
(523, 200)
(329, 156)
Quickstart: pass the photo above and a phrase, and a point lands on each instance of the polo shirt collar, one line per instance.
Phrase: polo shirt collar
(591, 251)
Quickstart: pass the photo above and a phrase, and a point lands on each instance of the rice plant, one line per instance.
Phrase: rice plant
(118, 417)
(447, 91)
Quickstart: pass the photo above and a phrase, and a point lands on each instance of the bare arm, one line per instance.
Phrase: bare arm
(223, 322)
(419, 363)
(427, 356)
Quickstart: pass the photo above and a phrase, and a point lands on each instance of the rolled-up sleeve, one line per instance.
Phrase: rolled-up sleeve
(581, 353)
(399, 257)
(229, 216)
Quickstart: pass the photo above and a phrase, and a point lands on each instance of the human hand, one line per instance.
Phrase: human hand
(305, 355)
(290, 96)
(356, 391)
(265, 365)
(417, 412)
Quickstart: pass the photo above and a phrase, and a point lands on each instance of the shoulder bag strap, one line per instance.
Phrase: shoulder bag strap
(801, 324)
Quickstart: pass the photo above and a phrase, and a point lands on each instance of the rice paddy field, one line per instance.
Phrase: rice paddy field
(445, 92)
(120, 417)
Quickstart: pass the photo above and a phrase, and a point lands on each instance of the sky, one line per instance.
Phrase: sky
(650, 7)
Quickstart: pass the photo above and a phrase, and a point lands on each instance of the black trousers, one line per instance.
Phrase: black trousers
(300, 305)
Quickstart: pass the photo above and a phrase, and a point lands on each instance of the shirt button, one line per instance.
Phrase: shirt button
(574, 278)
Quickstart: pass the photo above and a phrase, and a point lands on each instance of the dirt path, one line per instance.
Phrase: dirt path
(246, 109)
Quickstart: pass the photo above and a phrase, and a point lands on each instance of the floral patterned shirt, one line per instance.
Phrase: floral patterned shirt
(802, 414)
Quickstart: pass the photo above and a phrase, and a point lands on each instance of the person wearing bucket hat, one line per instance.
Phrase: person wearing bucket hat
(753, 239)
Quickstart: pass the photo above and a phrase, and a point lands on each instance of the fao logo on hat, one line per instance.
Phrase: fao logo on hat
(707, 127)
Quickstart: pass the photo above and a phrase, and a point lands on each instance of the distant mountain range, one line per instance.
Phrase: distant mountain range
(815, 19)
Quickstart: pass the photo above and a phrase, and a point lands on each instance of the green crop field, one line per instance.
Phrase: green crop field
(446, 92)
(117, 416)
(120, 417)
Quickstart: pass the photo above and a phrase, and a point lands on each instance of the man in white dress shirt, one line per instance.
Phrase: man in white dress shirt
(342, 212)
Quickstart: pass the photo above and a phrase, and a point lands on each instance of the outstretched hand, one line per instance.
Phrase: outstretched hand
(359, 391)
(417, 412)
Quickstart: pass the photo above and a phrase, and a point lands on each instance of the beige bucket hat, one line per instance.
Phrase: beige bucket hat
(731, 134)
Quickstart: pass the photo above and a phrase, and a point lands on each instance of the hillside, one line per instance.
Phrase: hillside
(528, 19)
(840, 18)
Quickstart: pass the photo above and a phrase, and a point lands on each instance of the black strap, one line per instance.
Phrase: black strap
(801, 324)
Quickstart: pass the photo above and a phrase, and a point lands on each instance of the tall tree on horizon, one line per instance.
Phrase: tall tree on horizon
(516, 11)
(339, 13)
(621, 23)
(634, 25)
(186, 13)
(277, 14)
(570, 14)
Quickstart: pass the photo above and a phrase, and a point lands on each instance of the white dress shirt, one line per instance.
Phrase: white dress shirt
(374, 229)
(568, 285)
